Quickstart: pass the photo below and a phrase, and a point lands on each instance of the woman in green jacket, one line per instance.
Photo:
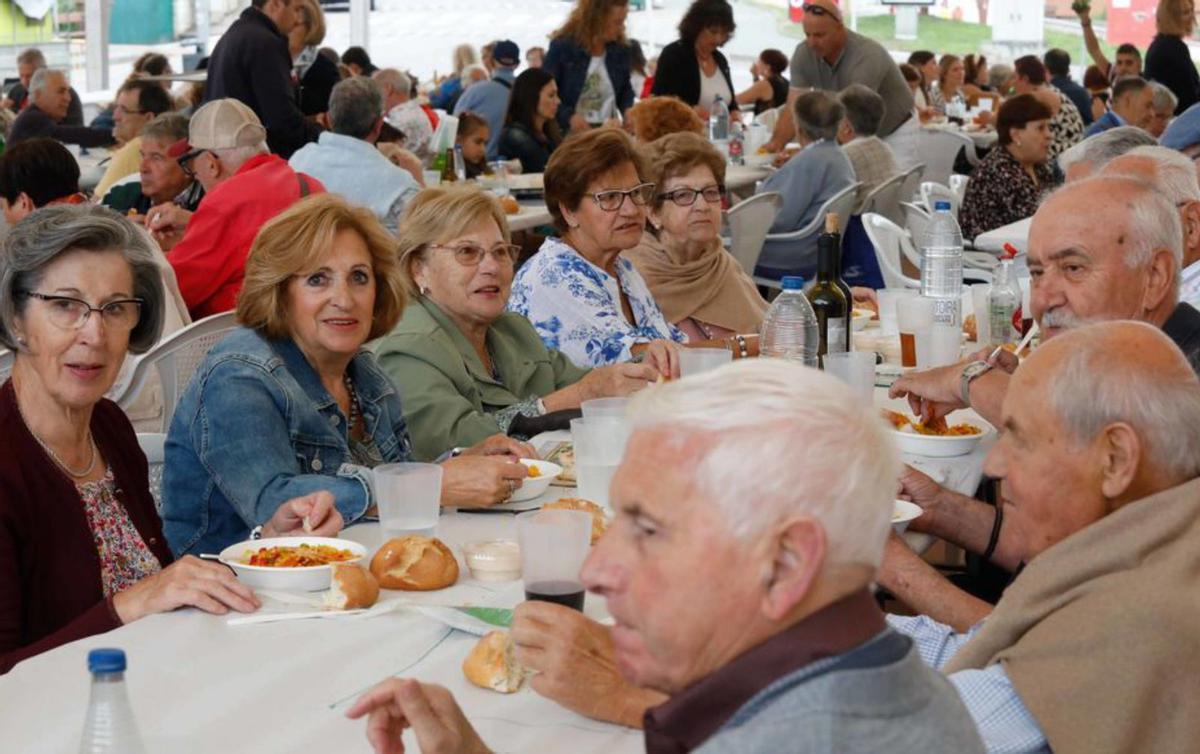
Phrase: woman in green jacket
(465, 367)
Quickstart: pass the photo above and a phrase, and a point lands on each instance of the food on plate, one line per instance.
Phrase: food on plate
(299, 556)
(351, 587)
(762, 150)
(491, 664)
(935, 428)
(534, 472)
(599, 518)
(493, 559)
(415, 564)
(511, 207)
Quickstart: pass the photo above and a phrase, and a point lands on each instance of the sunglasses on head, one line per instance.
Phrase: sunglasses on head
(816, 10)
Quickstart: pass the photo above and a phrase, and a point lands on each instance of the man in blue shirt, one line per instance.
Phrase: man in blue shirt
(1132, 105)
(489, 99)
(1058, 65)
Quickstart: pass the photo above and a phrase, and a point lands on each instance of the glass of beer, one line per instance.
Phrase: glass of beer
(913, 315)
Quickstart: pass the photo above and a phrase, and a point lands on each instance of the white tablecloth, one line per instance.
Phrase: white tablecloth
(199, 685)
(1016, 234)
(533, 213)
(983, 138)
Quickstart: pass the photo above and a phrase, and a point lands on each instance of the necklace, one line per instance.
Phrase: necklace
(54, 456)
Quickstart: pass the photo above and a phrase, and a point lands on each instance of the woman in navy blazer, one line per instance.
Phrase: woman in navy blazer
(595, 28)
(705, 26)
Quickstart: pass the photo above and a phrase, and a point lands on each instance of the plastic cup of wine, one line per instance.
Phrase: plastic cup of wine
(554, 544)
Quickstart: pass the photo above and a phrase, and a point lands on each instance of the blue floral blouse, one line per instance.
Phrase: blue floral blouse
(576, 306)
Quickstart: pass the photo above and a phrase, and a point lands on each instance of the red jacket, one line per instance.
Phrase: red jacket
(50, 591)
(210, 260)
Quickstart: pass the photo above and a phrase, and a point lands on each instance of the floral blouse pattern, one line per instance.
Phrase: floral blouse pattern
(1001, 192)
(1066, 127)
(124, 557)
(576, 307)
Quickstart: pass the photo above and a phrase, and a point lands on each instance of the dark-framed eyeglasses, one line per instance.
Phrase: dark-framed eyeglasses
(185, 161)
(612, 199)
(70, 313)
(686, 197)
(471, 254)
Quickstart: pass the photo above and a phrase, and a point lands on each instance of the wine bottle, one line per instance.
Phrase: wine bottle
(448, 173)
(829, 302)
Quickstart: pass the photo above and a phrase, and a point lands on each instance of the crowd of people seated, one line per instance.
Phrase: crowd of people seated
(381, 319)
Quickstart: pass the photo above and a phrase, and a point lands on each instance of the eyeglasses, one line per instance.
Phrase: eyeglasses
(185, 161)
(471, 254)
(68, 313)
(686, 197)
(611, 200)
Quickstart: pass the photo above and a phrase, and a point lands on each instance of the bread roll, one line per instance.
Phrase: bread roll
(599, 517)
(351, 587)
(415, 564)
(511, 207)
(491, 664)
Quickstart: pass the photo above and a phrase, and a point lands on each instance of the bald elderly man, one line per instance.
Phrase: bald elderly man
(1093, 647)
(1174, 174)
(1091, 259)
(744, 597)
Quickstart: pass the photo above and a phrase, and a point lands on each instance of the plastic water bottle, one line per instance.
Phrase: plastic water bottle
(460, 164)
(110, 726)
(941, 266)
(718, 120)
(1004, 305)
(789, 331)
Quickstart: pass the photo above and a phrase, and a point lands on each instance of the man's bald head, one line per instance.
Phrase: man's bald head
(1104, 248)
(824, 32)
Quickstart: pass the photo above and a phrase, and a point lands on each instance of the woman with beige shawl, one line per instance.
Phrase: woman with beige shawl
(699, 286)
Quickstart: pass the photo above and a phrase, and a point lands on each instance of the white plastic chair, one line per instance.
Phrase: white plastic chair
(931, 193)
(176, 358)
(842, 203)
(908, 189)
(958, 184)
(749, 221)
(769, 117)
(937, 148)
(884, 199)
(977, 265)
(153, 445)
(890, 241)
(7, 358)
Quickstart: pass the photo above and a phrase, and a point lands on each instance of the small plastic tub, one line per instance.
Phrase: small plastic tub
(493, 559)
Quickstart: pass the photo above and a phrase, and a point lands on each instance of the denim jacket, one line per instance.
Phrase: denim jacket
(568, 63)
(256, 428)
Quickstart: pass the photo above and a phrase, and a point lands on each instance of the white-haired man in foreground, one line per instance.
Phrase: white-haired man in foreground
(743, 593)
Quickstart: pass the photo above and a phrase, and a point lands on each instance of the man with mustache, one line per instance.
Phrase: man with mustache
(1104, 248)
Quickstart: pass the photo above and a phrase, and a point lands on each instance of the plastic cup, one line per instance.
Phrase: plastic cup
(409, 497)
(700, 360)
(938, 345)
(979, 305)
(599, 444)
(600, 408)
(856, 369)
(498, 180)
(914, 315)
(554, 545)
(432, 178)
(888, 299)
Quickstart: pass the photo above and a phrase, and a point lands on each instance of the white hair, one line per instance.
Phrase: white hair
(1174, 173)
(786, 440)
(1153, 221)
(1092, 390)
(233, 158)
(1164, 98)
(41, 79)
(1102, 148)
(397, 81)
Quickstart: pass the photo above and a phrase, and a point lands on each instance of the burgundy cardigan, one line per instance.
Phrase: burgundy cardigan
(50, 589)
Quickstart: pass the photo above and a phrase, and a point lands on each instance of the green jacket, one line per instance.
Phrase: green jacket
(448, 397)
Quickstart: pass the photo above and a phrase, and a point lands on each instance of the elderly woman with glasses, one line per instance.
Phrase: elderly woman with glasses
(291, 403)
(468, 368)
(701, 288)
(580, 295)
(81, 547)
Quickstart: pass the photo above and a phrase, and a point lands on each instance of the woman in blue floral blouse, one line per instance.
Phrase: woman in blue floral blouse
(580, 295)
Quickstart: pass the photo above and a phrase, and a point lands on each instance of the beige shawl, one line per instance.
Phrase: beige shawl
(712, 288)
(1100, 634)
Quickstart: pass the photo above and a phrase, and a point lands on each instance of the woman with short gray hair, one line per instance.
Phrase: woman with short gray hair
(81, 546)
(806, 181)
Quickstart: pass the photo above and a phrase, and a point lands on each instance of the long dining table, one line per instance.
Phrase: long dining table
(201, 683)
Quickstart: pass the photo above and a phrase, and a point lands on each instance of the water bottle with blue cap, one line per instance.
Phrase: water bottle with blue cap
(789, 331)
(110, 726)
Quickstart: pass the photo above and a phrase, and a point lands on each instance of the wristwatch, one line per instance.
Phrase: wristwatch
(969, 373)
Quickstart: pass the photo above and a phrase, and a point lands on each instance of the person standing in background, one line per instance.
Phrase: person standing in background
(692, 68)
(1168, 60)
(589, 58)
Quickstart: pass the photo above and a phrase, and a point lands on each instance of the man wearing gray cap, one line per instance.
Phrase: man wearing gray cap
(490, 99)
(245, 187)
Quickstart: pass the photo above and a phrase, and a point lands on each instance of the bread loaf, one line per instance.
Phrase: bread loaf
(414, 563)
(491, 664)
(599, 517)
(351, 587)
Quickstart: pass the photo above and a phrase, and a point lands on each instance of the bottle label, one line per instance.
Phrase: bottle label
(1005, 322)
(835, 335)
(946, 311)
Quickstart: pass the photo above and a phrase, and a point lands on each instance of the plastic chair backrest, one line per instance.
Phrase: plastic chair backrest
(885, 199)
(749, 221)
(153, 445)
(176, 358)
(958, 184)
(908, 189)
(938, 148)
(916, 220)
(769, 117)
(934, 192)
(7, 358)
(889, 240)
